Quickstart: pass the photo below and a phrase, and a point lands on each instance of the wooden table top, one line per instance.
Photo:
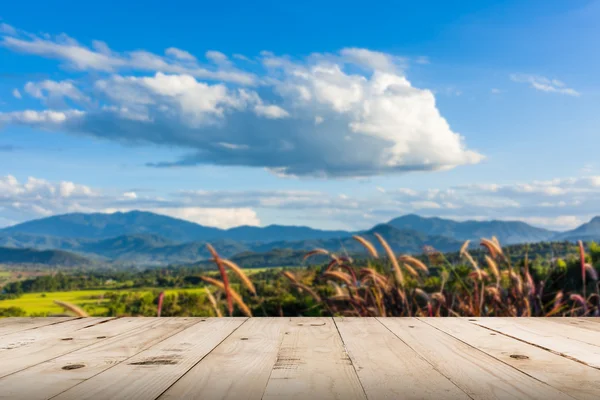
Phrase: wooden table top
(299, 358)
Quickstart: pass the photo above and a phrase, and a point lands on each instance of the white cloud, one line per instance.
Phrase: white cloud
(544, 84)
(496, 91)
(46, 118)
(290, 124)
(418, 205)
(179, 54)
(49, 89)
(130, 195)
(217, 217)
(576, 204)
(16, 94)
(7, 29)
(102, 58)
(36, 198)
(373, 60)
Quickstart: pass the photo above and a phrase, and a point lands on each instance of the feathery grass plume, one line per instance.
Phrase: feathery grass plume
(464, 247)
(367, 245)
(494, 249)
(377, 278)
(495, 240)
(223, 273)
(411, 271)
(580, 300)
(342, 276)
(290, 276)
(469, 258)
(445, 275)
(582, 261)
(338, 289)
(300, 285)
(240, 273)
(308, 290)
(213, 302)
(415, 262)
(345, 259)
(72, 307)
(530, 283)
(479, 275)
(557, 304)
(350, 272)
(517, 279)
(591, 271)
(494, 292)
(161, 297)
(234, 295)
(315, 252)
(493, 267)
(397, 271)
(439, 297)
(421, 293)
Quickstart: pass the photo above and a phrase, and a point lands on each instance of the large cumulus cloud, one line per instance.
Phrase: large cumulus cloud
(349, 114)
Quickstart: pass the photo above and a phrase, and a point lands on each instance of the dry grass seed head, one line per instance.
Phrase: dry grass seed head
(367, 245)
(240, 273)
(493, 266)
(217, 260)
(464, 247)
(315, 252)
(72, 307)
(397, 271)
(415, 262)
(492, 247)
(234, 295)
(342, 276)
(213, 302)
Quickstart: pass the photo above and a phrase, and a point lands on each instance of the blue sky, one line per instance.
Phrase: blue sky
(328, 114)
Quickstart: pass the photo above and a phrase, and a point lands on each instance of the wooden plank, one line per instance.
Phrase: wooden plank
(566, 330)
(478, 374)
(544, 337)
(312, 360)
(12, 325)
(60, 374)
(568, 376)
(149, 373)
(238, 368)
(583, 323)
(25, 349)
(388, 368)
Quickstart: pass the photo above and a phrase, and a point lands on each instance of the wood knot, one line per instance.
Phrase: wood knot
(519, 356)
(72, 366)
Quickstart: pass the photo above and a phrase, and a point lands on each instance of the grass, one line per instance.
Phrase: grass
(42, 303)
(394, 285)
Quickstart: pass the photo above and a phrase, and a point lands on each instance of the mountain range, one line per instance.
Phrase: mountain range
(145, 238)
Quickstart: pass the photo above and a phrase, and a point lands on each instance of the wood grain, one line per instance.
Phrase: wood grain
(312, 359)
(544, 337)
(478, 374)
(388, 368)
(148, 374)
(566, 375)
(12, 325)
(21, 350)
(53, 377)
(239, 368)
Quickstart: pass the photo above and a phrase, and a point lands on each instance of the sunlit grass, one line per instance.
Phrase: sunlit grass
(90, 300)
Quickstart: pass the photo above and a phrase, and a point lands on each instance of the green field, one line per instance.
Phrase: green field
(90, 300)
